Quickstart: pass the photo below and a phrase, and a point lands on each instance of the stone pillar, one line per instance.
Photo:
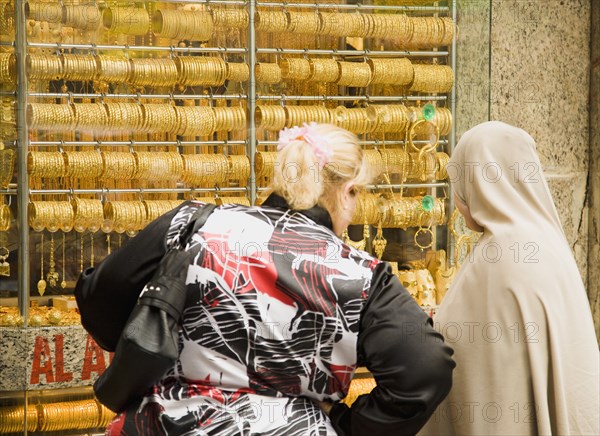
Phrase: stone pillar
(594, 176)
(540, 82)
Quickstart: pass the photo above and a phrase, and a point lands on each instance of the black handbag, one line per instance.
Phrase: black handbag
(148, 345)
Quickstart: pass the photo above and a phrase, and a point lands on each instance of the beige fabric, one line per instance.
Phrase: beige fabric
(517, 314)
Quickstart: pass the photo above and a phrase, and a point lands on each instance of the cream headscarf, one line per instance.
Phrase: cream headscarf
(517, 314)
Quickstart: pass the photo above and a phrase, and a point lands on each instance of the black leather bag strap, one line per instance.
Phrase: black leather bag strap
(197, 220)
(172, 269)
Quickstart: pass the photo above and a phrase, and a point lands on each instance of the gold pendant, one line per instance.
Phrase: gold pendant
(379, 243)
(4, 268)
(4, 265)
(41, 287)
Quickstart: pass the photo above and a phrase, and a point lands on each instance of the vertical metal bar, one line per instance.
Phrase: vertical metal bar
(452, 139)
(22, 176)
(251, 106)
(22, 146)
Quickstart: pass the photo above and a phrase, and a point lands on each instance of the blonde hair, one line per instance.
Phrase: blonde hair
(299, 178)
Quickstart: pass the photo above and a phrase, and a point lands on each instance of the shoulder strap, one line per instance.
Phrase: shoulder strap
(196, 221)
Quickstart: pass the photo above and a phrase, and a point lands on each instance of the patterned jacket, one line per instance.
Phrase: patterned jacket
(280, 312)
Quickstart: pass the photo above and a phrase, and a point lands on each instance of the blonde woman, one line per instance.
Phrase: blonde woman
(517, 313)
(280, 312)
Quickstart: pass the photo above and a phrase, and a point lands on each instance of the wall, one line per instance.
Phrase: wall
(594, 177)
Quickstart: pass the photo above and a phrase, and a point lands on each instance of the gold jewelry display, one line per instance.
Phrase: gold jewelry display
(405, 212)
(172, 116)
(375, 162)
(303, 22)
(195, 120)
(264, 163)
(118, 165)
(228, 119)
(354, 74)
(324, 70)
(201, 70)
(158, 165)
(83, 164)
(73, 415)
(84, 17)
(126, 215)
(41, 67)
(230, 18)
(367, 209)
(181, 24)
(159, 118)
(271, 117)
(157, 208)
(422, 166)
(239, 168)
(432, 78)
(268, 73)
(78, 67)
(388, 26)
(89, 116)
(50, 116)
(237, 72)
(127, 20)
(124, 116)
(296, 115)
(153, 72)
(49, 164)
(7, 166)
(295, 68)
(113, 69)
(50, 215)
(271, 21)
(48, 12)
(205, 169)
(8, 72)
(355, 120)
(88, 214)
(12, 419)
(393, 118)
(442, 160)
(428, 32)
(397, 72)
(395, 160)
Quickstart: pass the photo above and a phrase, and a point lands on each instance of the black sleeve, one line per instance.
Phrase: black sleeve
(409, 360)
(107, 294)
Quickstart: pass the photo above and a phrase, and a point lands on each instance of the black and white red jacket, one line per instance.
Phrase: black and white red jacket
(279, 312)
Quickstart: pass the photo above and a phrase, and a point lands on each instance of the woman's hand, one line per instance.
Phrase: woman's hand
(325, 406)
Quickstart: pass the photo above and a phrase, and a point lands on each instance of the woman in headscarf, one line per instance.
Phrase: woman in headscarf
(516, 314)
